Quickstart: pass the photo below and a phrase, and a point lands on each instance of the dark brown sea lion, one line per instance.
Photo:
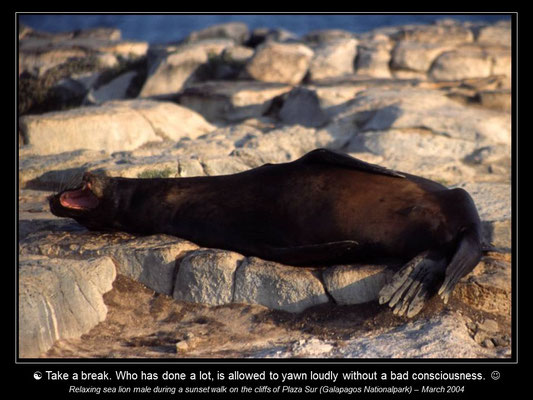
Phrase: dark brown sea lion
(321, 209)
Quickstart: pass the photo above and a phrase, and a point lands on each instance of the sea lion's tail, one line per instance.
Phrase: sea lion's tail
(466, 257)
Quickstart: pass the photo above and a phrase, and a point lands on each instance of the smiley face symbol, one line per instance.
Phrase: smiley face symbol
(495, 375)
(37, 375)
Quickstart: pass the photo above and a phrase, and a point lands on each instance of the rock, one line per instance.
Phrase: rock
(104, 33)
(416, 56)
(355, 284)
(442, 336)
(276, 286)
(229, 65)
(106, 128)
(301, 106)
(237, 31)
(262, 35)
(435, 337)
(380, 109)
(495, 99)
(231, 101)
(172, 69)
(190, 167)
(223, 166)
(114, 90)
(240, 54)
(311, 348)
(501, 64)
(280, 62)
(323, 36)
(164, 166)
(417, 142)
(207, 276)
(499, 34)
(57, 170)
(150, 260)
(74, 88)
(168, 120)
(38, 55)
(288, 143)
(489, 326)
(333, 92)
(113, 126)
(452, 33)
(461, 63)
(373, 58)
(488, 287)
(333, 58)
(60, 299)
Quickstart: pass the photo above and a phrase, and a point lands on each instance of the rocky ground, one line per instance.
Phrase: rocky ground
(432, 100)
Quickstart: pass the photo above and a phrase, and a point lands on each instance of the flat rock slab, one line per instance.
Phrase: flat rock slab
(150, 260)
(113, 126)
(60, 299)
(231, 101)
(380, 109)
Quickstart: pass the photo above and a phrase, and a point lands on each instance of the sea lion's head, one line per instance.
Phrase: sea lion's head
(88, 203)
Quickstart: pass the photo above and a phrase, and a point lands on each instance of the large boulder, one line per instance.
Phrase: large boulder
(173, 68)
(462, 64)
(416, 56)
(60, 299)
(207, 276)
(355, 284)
(333, 58)
(113, 126)
(373, 57)
(276, 286)
(280, 62)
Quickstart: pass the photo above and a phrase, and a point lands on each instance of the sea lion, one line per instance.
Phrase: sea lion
(321, 209)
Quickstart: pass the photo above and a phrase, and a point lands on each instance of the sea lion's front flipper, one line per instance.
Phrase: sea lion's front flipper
(344, 160)
(414, 283)
(312, 254)
(466, 257)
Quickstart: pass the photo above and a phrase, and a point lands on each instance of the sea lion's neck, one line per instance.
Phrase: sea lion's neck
(154, 205)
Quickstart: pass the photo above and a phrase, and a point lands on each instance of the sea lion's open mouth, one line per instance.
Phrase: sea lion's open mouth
(79, 199)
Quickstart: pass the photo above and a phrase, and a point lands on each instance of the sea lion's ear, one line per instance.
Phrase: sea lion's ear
(326, 156)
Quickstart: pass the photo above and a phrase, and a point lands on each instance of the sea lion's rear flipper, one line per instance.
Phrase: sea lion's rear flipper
(312, 254)
(464, 260)
(344, 160)
(414, 283)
